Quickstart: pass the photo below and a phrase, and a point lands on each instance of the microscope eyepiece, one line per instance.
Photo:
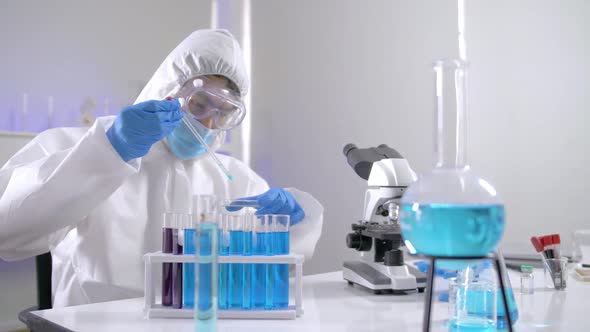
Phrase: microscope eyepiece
(348, 147)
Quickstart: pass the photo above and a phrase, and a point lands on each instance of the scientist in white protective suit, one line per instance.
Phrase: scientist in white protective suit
(94, 197)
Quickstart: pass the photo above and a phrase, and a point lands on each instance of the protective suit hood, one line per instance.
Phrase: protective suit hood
(204, 52)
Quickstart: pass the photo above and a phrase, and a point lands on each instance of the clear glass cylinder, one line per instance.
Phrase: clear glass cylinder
(555, 273)
(474, 306)
(450, 211)
(206, 277)
(203, 212)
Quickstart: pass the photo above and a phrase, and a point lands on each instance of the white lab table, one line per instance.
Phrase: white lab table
(330, 304)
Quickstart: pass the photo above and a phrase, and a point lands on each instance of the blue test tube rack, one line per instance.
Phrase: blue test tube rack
(152, 309)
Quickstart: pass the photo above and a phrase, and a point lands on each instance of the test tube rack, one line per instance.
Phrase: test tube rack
(154, 310)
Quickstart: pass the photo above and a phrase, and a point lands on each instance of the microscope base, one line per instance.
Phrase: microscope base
(384, 279)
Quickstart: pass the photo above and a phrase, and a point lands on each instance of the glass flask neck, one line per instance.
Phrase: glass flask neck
(451, 114)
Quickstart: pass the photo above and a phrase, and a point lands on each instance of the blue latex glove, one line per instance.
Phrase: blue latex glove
(139, 126)
(278, 201)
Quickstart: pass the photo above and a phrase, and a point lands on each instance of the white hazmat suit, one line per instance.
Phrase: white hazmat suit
(69, 192)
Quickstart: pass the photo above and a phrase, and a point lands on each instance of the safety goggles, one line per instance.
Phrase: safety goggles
(204, 99)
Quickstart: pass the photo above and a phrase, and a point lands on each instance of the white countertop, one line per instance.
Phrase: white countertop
(331, 305)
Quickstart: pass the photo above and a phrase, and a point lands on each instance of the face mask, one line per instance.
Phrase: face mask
(184, 145)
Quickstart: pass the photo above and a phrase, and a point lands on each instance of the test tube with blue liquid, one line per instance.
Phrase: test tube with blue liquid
(223, 250)
(262, 246)
(203, 211)
(206, 249)
(236, 270)
(280, 246)
(247, 270)
(237, 216)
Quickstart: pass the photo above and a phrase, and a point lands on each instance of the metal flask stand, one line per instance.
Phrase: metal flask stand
(430, 284)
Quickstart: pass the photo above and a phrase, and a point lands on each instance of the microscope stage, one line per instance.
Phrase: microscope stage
(384, 279)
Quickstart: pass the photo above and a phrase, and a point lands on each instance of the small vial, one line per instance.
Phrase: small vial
(527, 279)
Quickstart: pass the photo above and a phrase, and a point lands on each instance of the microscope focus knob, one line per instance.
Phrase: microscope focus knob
(358, 242)
(393, 258)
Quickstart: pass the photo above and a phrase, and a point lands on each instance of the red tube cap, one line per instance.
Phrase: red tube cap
(537, 244)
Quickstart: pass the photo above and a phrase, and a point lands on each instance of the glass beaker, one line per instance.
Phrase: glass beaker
(486, 270)
(555, 273)
(450, 211)
(474, 306)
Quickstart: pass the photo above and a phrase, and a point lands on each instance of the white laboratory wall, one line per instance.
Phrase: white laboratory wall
(327, 73)
(530, 105)
(331, 72)
(71, 50)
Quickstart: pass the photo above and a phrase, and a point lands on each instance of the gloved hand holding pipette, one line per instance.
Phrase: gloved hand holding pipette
(139, 126)
(190, 123)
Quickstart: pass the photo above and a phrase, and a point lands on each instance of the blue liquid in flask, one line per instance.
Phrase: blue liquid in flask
(452, 230)
(236, 271)
(281, 271)
(223, 273)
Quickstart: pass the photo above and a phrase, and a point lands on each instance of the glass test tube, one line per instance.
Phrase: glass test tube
(223, 246)
(235, 219)
(247, 226)
(188, 270)
(206, 274)
(203, 212)
(280, 246)
(168, 224)
(261, 290)
(182, 221)
(236, 270)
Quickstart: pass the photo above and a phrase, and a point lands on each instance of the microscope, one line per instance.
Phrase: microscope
(377, 237)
